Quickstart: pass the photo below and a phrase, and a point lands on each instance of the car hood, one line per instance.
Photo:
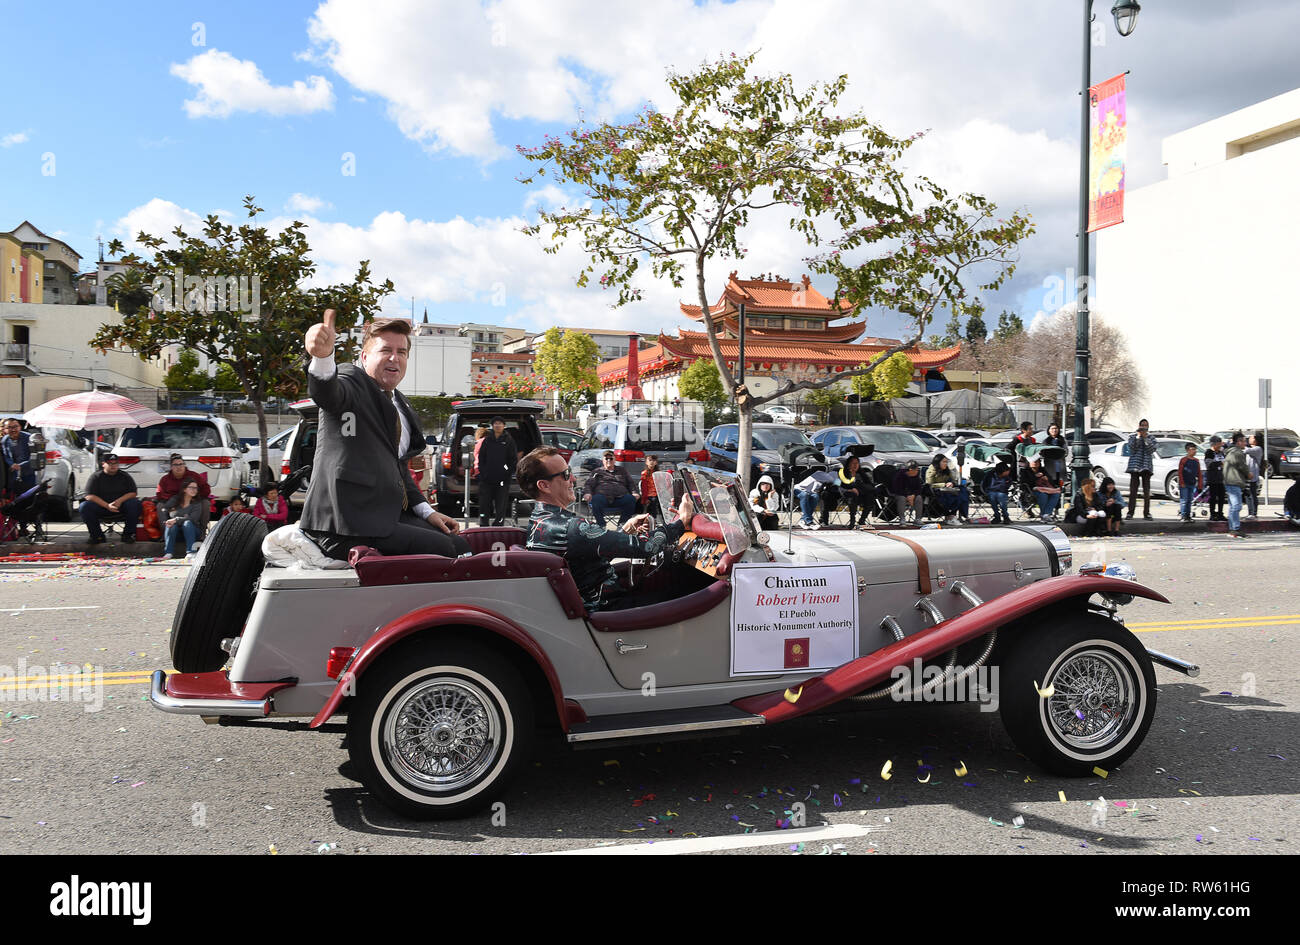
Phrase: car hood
(957, 551)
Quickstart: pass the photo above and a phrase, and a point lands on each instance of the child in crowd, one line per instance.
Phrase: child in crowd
(765, 502)
(649, 495)
(1112, 500)
(236, 505)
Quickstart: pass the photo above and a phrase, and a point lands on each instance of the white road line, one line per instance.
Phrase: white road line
(15, 610)
(706, 844)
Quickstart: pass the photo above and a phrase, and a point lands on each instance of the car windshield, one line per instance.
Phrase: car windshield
(893, 441)
(774, 438)
(716, 496)
(172, 435)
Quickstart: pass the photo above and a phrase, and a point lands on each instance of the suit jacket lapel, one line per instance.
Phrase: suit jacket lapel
(387, 411)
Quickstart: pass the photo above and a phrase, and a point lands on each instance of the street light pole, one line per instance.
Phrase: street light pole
(1125, 13)
(1080, 463)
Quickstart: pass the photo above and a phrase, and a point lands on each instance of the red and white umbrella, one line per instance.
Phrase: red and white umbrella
(93, 410)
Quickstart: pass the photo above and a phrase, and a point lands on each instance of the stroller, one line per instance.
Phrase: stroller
(23, 511)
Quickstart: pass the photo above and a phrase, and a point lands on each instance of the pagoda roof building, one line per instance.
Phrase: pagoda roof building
(790, 334)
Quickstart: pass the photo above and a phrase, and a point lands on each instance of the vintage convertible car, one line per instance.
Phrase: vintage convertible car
(448, 669)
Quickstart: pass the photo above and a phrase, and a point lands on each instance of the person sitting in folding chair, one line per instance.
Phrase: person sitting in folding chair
(952, 496)
(857, 491)
(997, 486)
(808, 492)
(907, 492)
(110, 494)
(763, 499)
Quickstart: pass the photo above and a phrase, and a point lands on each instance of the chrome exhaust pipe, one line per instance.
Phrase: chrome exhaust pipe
(1173, 662)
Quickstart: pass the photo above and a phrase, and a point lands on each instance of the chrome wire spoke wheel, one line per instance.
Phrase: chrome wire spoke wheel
(442, 734)
(1095, 700)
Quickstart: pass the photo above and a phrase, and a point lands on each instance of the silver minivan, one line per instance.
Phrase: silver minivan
(632, 439)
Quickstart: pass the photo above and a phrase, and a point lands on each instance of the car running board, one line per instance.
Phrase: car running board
(665, 722)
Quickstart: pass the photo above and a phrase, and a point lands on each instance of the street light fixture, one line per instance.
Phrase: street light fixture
(1125, 13)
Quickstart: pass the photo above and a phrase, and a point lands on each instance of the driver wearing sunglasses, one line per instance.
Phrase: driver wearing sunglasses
(587, 547)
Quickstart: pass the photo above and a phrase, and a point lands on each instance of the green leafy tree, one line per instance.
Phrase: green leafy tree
(951, 333)
(226, 379)
(826, 400)
(864, 385)
(257, 328)
(677, 190)
(185, 373)
(1009, 325)
(568, 363)
(702, 383)
(128, 291)
(892, 376)
(976, 331)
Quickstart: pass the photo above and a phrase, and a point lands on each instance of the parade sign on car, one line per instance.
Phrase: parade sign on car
(790, 618)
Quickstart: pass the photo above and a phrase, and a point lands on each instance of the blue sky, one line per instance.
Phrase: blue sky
(430, 98)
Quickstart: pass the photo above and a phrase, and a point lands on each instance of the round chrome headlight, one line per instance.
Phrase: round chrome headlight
(1124, 572)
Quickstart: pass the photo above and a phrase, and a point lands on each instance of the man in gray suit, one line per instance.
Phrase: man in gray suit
(361, 492)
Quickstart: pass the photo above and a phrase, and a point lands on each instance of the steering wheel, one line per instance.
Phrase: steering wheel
(653, 565)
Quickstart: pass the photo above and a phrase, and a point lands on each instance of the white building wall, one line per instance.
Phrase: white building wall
(438, 364)
(1199, 274)
(60, 345)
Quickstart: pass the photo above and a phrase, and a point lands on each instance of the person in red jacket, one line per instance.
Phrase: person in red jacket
(649, 494)
(171, 484)
(271, 509)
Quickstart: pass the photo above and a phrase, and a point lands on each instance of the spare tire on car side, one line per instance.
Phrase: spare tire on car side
(218, 594)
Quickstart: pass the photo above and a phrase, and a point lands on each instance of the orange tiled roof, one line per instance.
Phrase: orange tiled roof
(690, 346)
(775, 295)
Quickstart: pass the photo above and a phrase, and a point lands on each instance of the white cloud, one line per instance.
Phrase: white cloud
(227, 85)
(158, 217)
(306, 204)
(17, 137)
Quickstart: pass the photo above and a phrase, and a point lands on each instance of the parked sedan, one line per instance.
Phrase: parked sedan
(893, 445)
(932, 442)
(766, 444)
(1112, 461)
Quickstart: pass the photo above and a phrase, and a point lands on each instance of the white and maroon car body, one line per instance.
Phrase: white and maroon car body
(445, 666)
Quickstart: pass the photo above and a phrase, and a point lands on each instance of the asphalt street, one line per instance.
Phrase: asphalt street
(1216, 775)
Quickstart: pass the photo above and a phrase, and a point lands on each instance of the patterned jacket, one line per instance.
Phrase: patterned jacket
(588, 549)
(1142, 453)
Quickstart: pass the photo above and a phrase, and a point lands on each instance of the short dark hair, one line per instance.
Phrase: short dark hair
(175, 456)
(608, 454)
(1238, 436)
(378, 326)
(497, 419)
(1026, 425)
(532, 468)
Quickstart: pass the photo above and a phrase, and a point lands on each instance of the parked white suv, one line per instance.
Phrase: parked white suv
(207, 444)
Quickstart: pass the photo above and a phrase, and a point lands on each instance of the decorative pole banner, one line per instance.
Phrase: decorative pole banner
(1108, 140)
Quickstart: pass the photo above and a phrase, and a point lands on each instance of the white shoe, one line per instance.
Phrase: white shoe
(802, 524)
(815, 526)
